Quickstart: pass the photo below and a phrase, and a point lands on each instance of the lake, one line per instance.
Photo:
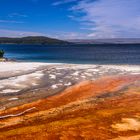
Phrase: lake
(82, 54)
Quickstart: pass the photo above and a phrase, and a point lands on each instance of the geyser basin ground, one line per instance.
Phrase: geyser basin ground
(68, 101)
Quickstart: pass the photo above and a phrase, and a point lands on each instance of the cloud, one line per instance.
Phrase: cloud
(67, 35)
(109, 18)
(59, 35)
(63, 2)
(12, 15)
(10, 21)
(13, 33)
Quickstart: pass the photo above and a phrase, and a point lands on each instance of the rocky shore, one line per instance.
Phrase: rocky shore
(7, 60)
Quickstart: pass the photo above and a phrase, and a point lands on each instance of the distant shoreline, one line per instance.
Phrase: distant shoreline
(72, 44)
(43, 40)
(31, 40)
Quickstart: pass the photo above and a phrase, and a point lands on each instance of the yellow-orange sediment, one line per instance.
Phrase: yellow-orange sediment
(108, 108)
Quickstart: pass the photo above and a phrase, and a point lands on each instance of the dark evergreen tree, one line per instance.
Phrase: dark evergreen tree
(1, 53)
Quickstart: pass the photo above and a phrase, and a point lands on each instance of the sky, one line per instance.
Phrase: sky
(70, 19)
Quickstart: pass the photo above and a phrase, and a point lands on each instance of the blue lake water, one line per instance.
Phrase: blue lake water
(87, 54)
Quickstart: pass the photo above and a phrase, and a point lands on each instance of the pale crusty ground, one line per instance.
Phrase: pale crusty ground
(18, 78)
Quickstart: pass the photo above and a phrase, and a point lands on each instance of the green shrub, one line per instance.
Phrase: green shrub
(1, 53)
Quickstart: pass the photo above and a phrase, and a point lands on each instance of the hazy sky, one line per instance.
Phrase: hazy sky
(69, 19)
